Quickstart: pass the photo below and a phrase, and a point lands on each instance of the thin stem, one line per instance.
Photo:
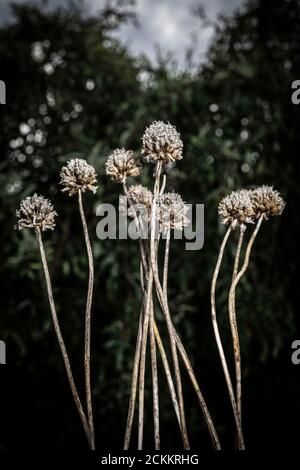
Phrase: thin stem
(219, 342)
(144, 269)
(165, 363)
(60, 337)
(138, 372)
(154, 379)
(87, 333)
(234, 327)
(143, 350)
(247, 254)
(166, 264)
(201, 400)
(163, 185)
(236, 277)
(143, 360)
(187, 362)
(153, 265)
(167, 372)
(138, 225)
(134, 382)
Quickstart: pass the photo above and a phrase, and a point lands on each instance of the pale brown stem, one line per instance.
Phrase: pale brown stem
(144, 269)
(163, 185)
(165, 362)
(236, 277)
(134, 382)
(247, 254)
(186, 361)
(143, 350)
(87, 333)
(201, 400)
(167, 372)
(166, 264)
(234, 327)
(154, 380)
(143, 360)
(60, 337)
(219, 342)
(153, 268)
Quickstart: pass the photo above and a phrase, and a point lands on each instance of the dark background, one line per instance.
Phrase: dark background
(82, 93)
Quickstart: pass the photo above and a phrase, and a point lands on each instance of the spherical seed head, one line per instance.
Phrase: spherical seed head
(139, 194)
(267, 201)
(237, 208)
(121, 164)
(172, 212)
(78, 175)
(36, 211)
(162, 143)
(141, 197)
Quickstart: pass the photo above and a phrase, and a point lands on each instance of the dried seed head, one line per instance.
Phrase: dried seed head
(121, 164)
(162, 143)
(138, 194)
(78, 175)
(36, 211)
(141, 198)
(172, 212)
(237, 208)
(267, 201)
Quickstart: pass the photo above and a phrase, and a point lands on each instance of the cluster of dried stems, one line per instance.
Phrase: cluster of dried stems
(37, 212)
(163, 212)
(239, 209)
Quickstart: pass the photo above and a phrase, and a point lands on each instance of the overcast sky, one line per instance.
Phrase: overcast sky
(170, 24)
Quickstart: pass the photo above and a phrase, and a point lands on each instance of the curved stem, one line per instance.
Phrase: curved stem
(167, 372)
(143, 360)
(153, 267)
(163, 185)
(166, 264)
(154, 379)
(60, 337)
(234, 327)
(188, 366)
(236, 277)
(219, 342)
(201, 400)
(87, 334)
(165, 363)
(134, 382)
(247, 255)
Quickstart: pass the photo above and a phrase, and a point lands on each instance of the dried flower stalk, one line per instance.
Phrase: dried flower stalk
(78, 177)
(234, 327)
(60, 338)
(87, 332)
(139, 195)
(134, 383)
(154, 379)
(38, 213)
(241, 444)
(257, 204)
(153, 267)
(186, 361)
